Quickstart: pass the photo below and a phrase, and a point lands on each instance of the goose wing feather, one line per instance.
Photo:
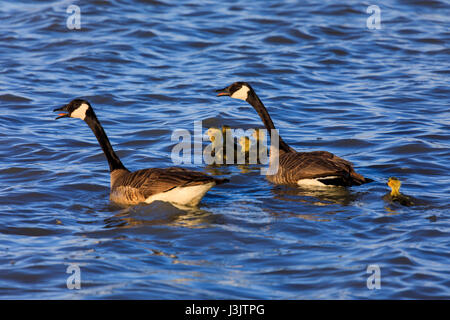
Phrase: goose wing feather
(295, 166)
(139, 185)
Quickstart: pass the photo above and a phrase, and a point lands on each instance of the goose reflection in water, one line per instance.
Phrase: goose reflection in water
(315, 196)
(161, 213)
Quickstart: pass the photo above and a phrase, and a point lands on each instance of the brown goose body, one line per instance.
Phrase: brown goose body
(184, 187)
(317, 168)
(321, 166)
(175, 185)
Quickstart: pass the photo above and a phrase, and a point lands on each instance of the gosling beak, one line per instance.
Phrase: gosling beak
(223, 92)
(62, 115)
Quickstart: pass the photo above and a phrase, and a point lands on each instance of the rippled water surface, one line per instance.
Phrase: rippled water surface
(379, 98)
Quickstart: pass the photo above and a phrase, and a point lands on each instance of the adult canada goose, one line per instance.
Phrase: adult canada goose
(175, 185)
(395, 195)
(317, 168)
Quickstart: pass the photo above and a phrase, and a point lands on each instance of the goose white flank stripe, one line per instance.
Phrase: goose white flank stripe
(187, 196)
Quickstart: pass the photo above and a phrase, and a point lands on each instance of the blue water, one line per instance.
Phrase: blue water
(376, 97)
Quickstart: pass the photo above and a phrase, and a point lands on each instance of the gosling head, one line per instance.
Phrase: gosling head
(244, 142)
(394, 184)
(77, 108)
(213, 133)
(257, 132)
(237, 90)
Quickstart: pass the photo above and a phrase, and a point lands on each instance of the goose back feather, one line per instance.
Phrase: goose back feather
(323, 166)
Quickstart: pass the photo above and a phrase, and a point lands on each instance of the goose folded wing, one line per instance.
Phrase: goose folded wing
(153, 181)
(309, 165)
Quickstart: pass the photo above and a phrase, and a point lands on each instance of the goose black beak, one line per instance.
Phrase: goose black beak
(223, 92)
(61, 115)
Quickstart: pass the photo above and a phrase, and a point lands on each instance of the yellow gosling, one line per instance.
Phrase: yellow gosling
(394, 184)
(244, 142)
(261, 148)
(225, 134)
(255, 134)
(212, 133)
(395, 195)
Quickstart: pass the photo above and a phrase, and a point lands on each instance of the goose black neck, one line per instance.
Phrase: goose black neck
(113, 160)
(257, 104)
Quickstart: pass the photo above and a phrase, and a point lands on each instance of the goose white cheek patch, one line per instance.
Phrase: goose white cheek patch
(242, 93)
(80, 112)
